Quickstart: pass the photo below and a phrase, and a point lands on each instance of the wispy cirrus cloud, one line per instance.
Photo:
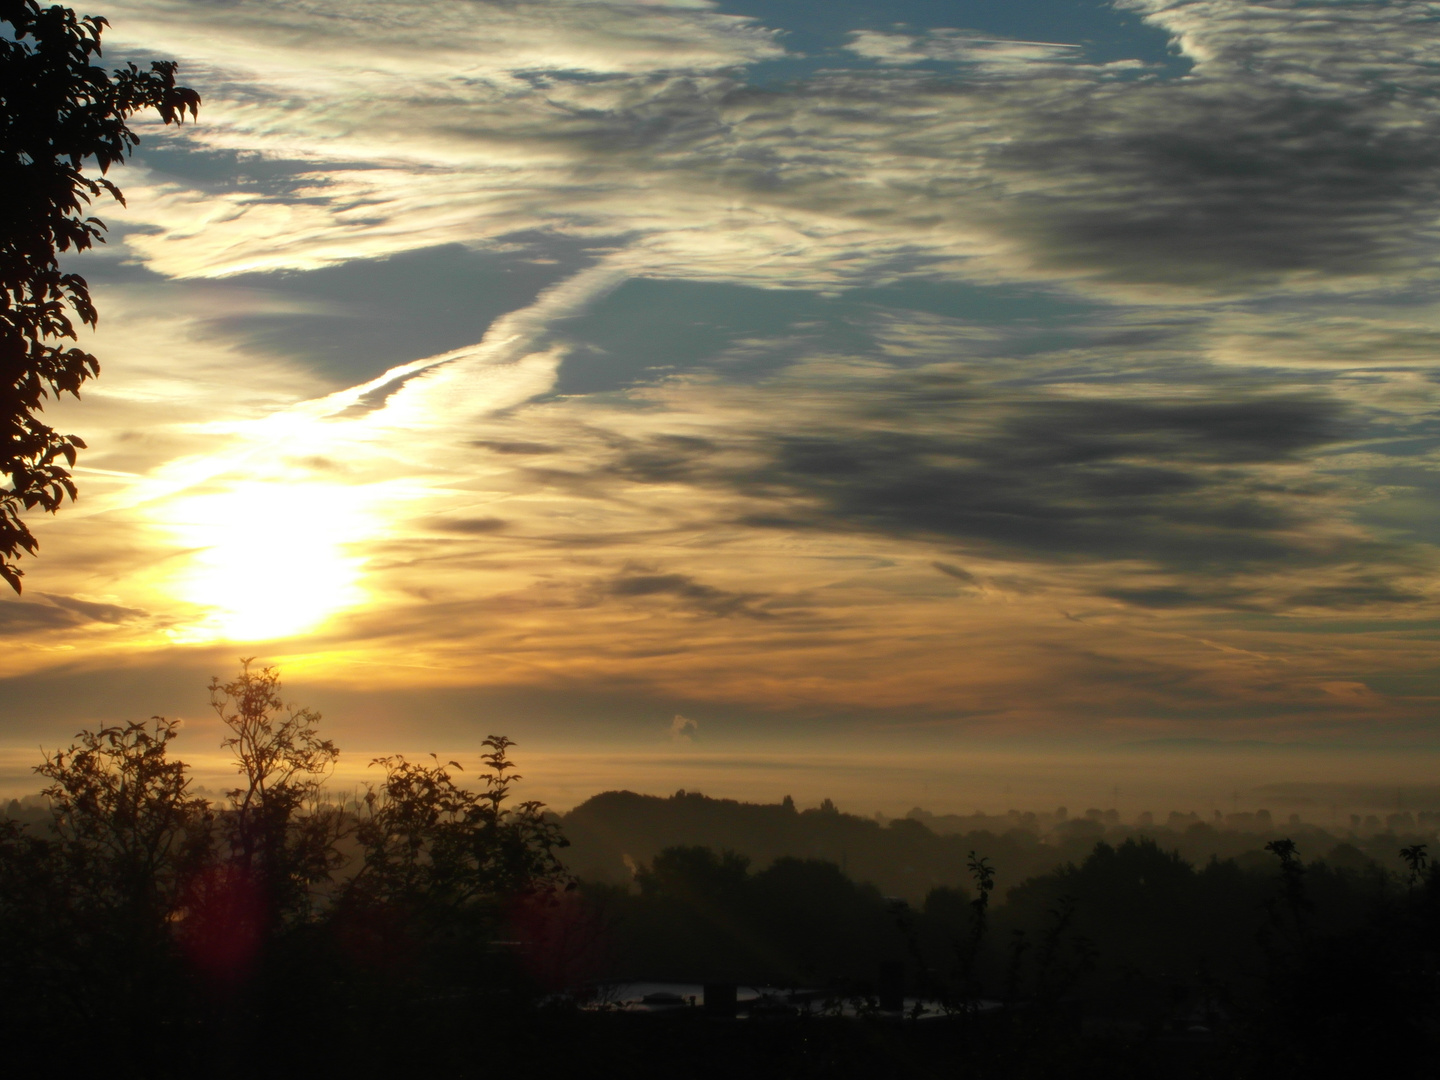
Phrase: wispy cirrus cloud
(960, 47)
(1299, 149)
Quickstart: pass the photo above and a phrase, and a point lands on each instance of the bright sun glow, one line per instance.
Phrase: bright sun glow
(271, 559)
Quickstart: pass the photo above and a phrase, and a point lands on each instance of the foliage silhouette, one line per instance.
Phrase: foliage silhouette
(968, 955)
(280, 834)
(225, 922)
(443, 867)
(58, 111)
(125, 822)
(1416, 858)
(1292, 877)
(88, 909)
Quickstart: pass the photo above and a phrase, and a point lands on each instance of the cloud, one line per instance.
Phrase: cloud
(635, 374)
(683, 729)
(515, 446)
(958, 573)
(96, 612)
(22, 618)
(1176, 483)
(471, 526)
(39, 622)
(688, 593)
(1282, 160)
(352, 322)
(959, 46)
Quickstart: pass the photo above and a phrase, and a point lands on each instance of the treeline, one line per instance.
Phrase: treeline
(1144, 920)
(614, 832)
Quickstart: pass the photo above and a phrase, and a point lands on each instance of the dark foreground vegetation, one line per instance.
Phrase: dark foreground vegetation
(426, 926)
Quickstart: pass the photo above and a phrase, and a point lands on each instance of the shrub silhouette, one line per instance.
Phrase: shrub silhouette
(88, 909)
(140, 897)
(444, 868)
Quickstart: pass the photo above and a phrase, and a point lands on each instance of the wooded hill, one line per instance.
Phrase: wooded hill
(615, 833)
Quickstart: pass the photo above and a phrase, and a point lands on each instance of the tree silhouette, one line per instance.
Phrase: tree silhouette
(967, 955)
(281, 833)
(135, 906)
(442, 864)
(58, 111)
(125, 822)
(1292, 879)
(1416, 858)
(88, 907)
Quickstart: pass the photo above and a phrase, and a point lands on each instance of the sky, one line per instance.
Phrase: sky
(721, 389)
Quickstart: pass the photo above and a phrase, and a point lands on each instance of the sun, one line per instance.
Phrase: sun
(269, 559)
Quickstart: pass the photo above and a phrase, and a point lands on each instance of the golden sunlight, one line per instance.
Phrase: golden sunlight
(270, 559)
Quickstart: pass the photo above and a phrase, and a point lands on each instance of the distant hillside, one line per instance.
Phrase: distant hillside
(614, 833)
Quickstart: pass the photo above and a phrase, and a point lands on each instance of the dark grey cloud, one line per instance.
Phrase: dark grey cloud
(96, 612)
(1065, 496)
(478, 526)
(1227, 190)
(20, 617)
(1364, 590)
(1305, 143)
(1358, 587)
(664, 458)
(1163, 597)
(515, 446)
(1202, 490)
(1263, 429)
(956, 572)
(687, 593)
